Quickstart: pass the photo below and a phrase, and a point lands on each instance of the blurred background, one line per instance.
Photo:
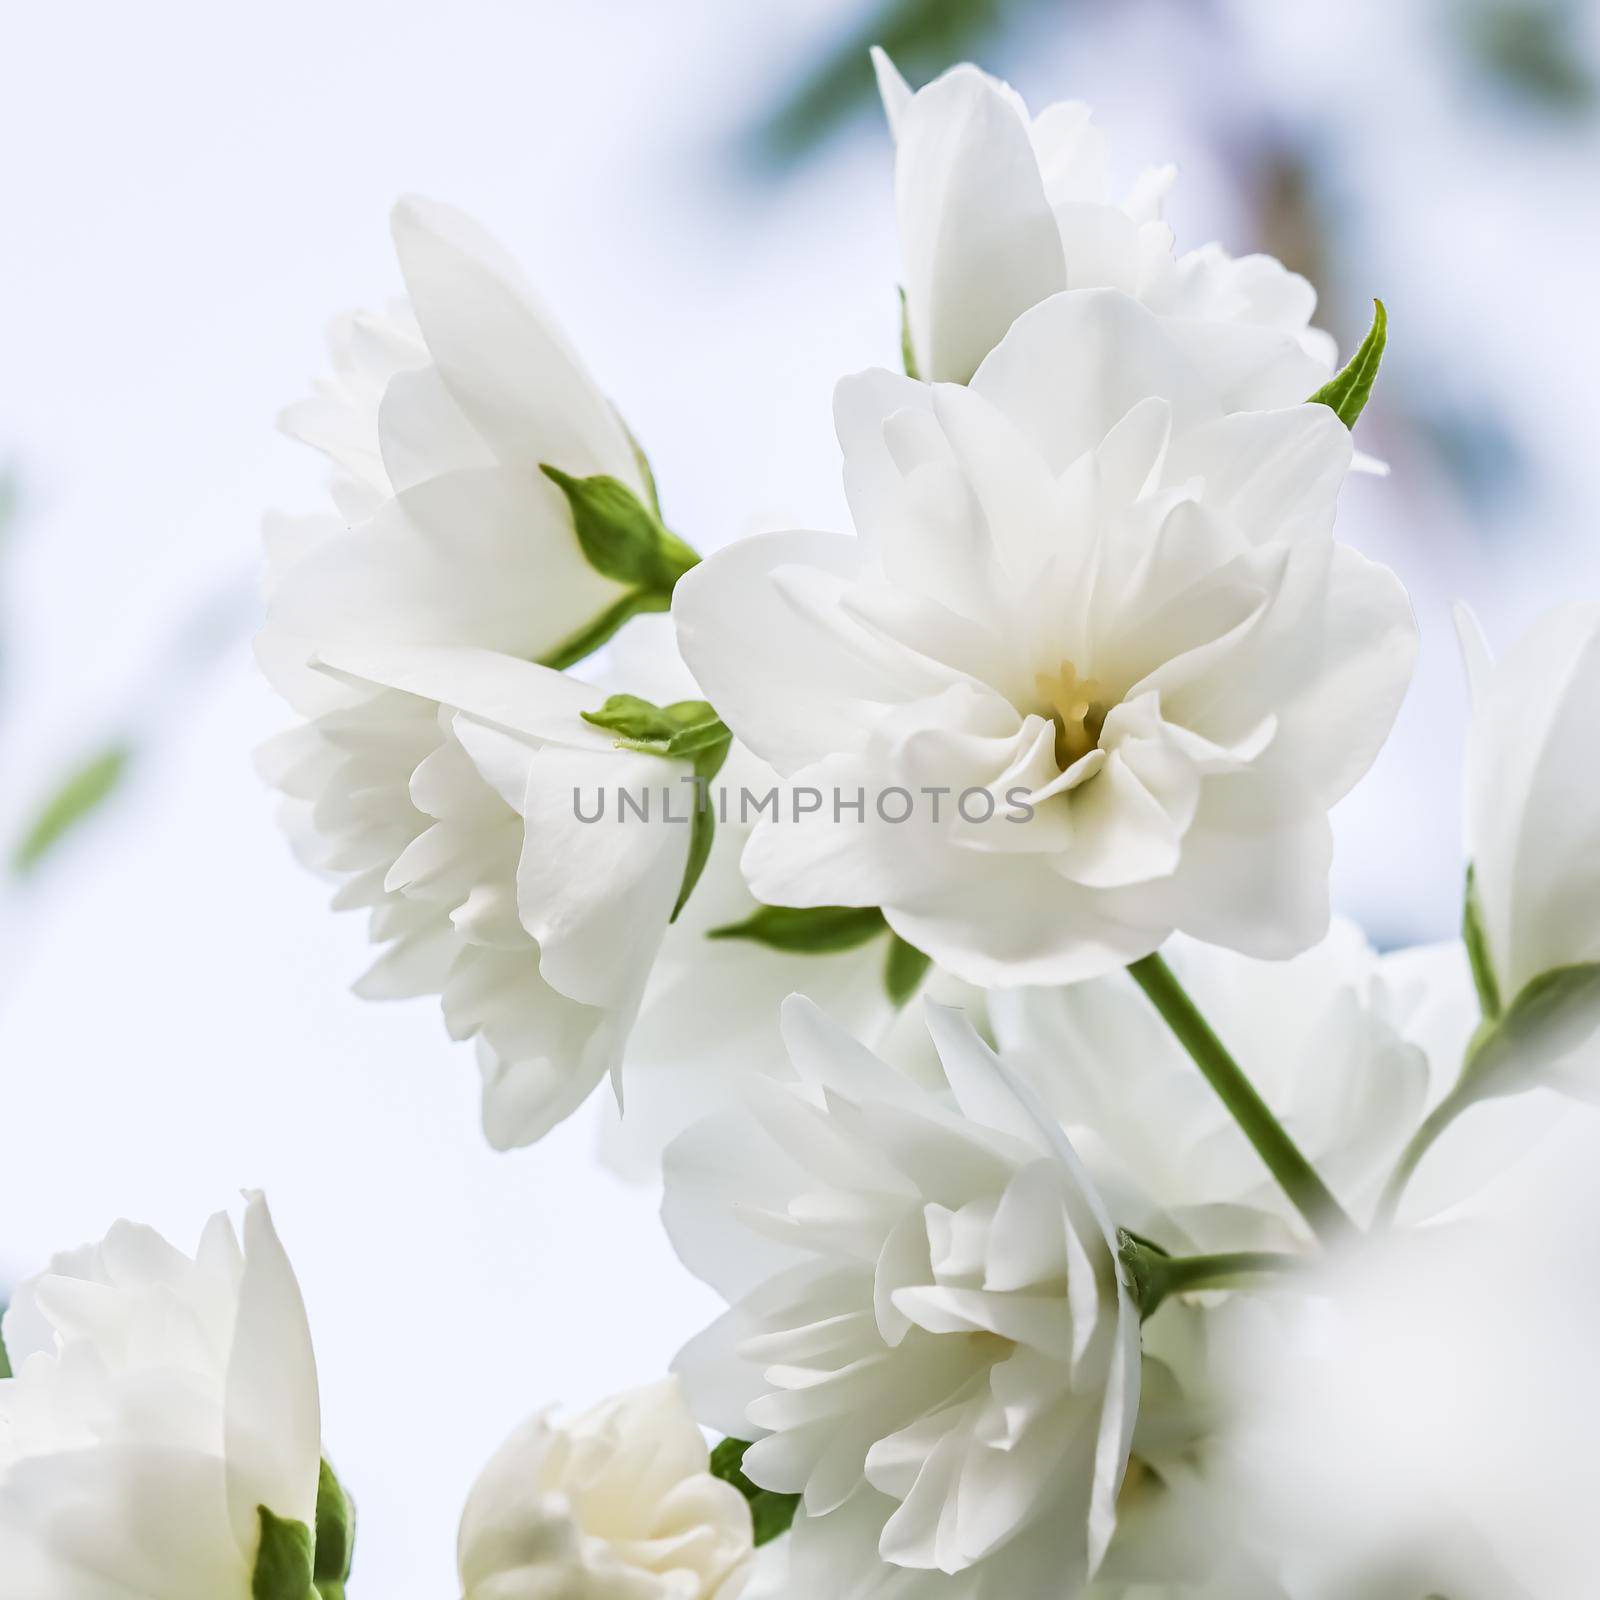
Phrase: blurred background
(702, 191)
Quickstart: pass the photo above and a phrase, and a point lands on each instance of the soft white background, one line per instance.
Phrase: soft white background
(189, 191)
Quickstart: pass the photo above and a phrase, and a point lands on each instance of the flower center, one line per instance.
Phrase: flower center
(1078, 709)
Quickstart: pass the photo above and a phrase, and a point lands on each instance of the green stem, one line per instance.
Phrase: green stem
(1296, 1176)
(1168, 1275)
(1422, 1141)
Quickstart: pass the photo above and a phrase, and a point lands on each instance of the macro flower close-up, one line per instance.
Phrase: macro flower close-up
(926, 1326)
(941, 660)
(1105, 617)
(161, 1437)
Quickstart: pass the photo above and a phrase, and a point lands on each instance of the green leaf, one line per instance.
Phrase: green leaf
(1551, 1016)
(283, 1563)
(1347, 392)
(770, 1512)
(621, 537)
(908, 351)
(83, 792)
(1477, 943)
(810, 930)
(336, 1536)
(5, 1359)
(587, 640)
(903, 969)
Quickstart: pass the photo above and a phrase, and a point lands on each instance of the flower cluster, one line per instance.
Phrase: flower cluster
(950, 896)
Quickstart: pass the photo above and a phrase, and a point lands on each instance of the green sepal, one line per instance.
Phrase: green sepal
(587, 640)
(686, 730)
(642, 461)
(283, 1561)
(1347, 392)
(903, 969)
(908, 351)
(637, 721)
(1477, 943)
(707, 755)
(621, 537)
(1550, 1016)
(809, 930)
(336, 1536)
(681, 731)
(770, 1512)
(1140, 1260)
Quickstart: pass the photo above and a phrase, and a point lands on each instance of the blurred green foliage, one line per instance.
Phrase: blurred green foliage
(922, 36)
(1534, 49)
(9, 496)
(77, 797)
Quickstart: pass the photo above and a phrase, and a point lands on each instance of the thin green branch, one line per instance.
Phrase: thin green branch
(1299, 1180)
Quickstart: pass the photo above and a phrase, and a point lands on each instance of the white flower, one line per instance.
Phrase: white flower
(1081, 586)
(159, 1403)
(927, 1337)
(999, 211)
(1326, 1038)
(1533, 838)
(448, 795)
(438, 419)
(617, 1504)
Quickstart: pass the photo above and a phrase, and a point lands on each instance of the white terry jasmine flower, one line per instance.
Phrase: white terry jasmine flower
(927, 1337)
(1094, 661)
(438, 419)
(159, 1404)
(449, 796)
(616, 1504)
(999, 211)
(1533, 840)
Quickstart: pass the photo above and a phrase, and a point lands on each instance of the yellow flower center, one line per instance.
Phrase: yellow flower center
(1078, 709)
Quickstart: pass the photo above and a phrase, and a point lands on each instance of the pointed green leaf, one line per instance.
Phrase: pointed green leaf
(336, 1536)
(903, 969)
(82, 793)
(5, 1359)
(621, 537)
(770, 1512)
(810, 930)
(1477, 943)
(283, 1562)
(908, 351)
(1347, 392)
